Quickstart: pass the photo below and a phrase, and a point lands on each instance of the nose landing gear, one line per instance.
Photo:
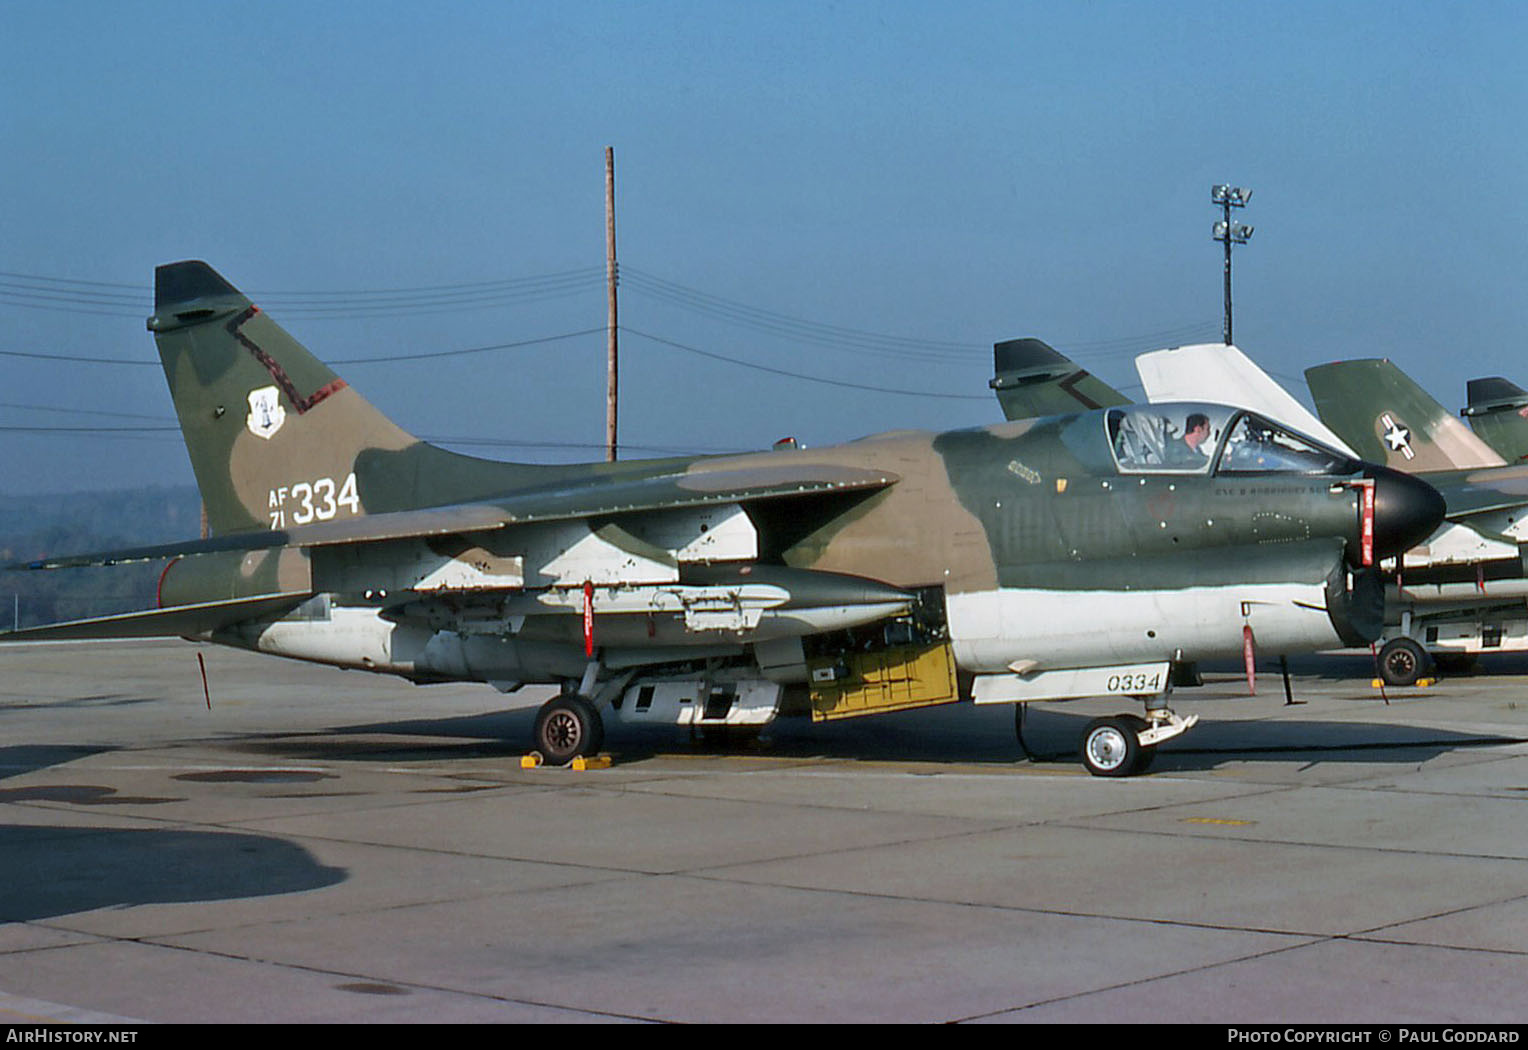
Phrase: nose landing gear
(1123, 745)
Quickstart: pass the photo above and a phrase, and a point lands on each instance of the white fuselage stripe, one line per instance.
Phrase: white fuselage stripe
(992, 630)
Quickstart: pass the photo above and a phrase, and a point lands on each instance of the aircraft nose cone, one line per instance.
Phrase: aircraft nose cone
(1406, 510)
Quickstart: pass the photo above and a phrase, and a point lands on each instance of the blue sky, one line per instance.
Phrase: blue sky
(937, 176)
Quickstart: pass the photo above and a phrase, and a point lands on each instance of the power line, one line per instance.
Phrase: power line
(11, 275)
(12, 429)
(66, 296)
(143, 293)
(429, 354)
(466, 287)
(19, 289)
(77, 358)
(72, 411)
(8, 300)
(783, 324)
(539, 341)
(78, 295)
(798, 375)
(436, 303)
(1134, 344)
(381, 359)
(436, 439)
(121, 430)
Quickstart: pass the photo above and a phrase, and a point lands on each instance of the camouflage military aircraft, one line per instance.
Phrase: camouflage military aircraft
(1462, 591)
(1498, 413)
(1074, 555)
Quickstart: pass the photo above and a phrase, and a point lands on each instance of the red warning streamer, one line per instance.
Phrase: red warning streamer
(1367, 534)
(588, 618)
(1249, 658)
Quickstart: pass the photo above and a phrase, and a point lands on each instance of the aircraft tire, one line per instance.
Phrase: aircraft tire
(1145, 756)
(568, 727)
(1111, 746)
(1402, 662)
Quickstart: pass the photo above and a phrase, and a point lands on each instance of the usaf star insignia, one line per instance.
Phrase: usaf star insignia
(1397, 437)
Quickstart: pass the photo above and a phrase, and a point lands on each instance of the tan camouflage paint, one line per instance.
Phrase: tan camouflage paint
(914, 533)
(319, 446)
(247, 477)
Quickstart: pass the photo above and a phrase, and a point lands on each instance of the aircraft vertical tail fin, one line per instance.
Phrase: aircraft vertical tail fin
(1032, 379)
(275, 437)
(1498, 413)
(1387, 418)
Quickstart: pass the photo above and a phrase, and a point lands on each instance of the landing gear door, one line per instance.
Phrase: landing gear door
(1135, 680)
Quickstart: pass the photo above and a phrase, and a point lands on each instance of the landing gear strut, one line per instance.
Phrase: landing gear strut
(568, 727)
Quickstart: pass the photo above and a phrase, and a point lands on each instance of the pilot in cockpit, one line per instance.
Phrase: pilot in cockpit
(1193, 449)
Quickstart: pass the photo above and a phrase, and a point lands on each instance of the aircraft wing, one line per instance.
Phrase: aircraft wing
(1389, 419)
(598, 496)
(591, 496)
(177, 622)
(1031, 379)
(437, 521)
(1471, 493)
(1223, 374)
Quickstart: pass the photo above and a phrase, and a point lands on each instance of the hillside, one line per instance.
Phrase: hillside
(34, 526)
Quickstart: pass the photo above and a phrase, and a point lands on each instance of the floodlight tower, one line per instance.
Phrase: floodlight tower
(1229, 233)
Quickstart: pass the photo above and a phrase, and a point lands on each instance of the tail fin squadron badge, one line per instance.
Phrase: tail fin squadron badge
(265, 412)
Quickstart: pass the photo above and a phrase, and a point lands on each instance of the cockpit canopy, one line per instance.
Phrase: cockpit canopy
(1191, 438)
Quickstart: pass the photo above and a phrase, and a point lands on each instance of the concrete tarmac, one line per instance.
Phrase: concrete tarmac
(326, 846)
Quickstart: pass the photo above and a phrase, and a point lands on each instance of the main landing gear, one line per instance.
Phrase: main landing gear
(568, 727)
(1402, 661)
(1123, 745)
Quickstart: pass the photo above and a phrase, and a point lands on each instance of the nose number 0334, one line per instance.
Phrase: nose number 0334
(1134, 683)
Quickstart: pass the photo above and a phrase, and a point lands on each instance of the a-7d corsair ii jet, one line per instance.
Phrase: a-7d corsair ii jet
(1075, 555)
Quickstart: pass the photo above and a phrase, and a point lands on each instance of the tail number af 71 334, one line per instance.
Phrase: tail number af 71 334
(308, 501)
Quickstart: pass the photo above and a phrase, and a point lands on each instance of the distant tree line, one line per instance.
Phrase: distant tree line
(33, 527)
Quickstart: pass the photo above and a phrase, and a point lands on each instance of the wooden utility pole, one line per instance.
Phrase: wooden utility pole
(611, 369)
